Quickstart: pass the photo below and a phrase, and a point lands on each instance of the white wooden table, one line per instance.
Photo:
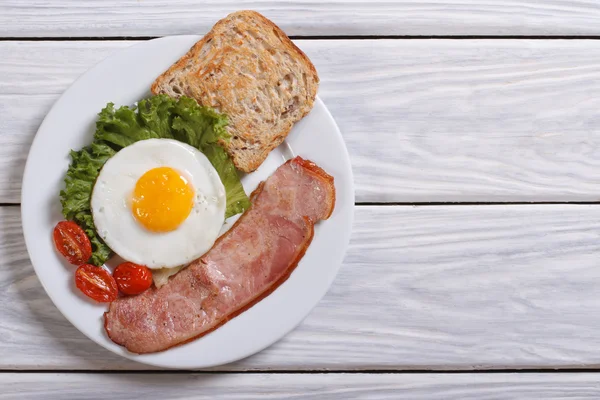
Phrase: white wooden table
(474, 267)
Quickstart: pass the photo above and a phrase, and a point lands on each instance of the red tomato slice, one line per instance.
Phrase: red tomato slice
(132, 278)
(72, 242)
(96, 283)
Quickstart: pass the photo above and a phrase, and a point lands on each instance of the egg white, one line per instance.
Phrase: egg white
(112, 196)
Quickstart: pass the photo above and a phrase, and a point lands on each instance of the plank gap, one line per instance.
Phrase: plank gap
(475, 203)
(548, 370)
(318, 37)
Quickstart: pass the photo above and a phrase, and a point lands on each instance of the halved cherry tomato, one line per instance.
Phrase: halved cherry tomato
(132, 278)
(96, 283)
(72, 242)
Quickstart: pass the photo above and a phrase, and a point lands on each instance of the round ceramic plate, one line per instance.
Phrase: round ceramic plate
(123, 79)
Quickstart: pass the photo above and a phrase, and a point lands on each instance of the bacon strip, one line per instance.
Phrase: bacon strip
(245, 265)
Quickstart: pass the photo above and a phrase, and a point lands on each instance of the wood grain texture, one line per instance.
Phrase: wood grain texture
(29, 91)
(55, 386)
(424, 121)
(309, 17)
(433, 287)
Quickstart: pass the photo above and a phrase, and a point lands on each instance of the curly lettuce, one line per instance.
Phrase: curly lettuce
(75, 198)
(158, 117)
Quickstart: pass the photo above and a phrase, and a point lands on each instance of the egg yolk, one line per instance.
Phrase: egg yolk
(162, 199)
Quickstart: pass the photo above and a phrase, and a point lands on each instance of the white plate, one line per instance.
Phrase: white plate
(123, 79)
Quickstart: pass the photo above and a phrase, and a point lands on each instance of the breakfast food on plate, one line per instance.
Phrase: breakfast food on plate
(72, 242)
(132, 279)
(158, 203)
(246, 264)
(159, 180)
(161, 276)
(96, 283)
(247, 68)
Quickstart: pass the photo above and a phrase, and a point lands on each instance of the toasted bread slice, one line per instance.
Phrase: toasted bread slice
(247, 68)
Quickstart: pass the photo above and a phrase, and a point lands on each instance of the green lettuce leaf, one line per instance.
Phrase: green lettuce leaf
(157, 117)
(75, 198)
(237, 200)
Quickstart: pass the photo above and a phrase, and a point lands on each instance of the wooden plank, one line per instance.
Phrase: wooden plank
(433, 287)
(29, 91)
(306, 386)
(424, 121)
(308, 17)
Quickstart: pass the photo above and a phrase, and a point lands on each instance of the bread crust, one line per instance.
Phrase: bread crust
(247, 68)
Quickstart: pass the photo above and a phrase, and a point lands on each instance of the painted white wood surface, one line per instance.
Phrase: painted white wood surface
(107, 18)
(302, 386)
(424, 120)
(432, 287)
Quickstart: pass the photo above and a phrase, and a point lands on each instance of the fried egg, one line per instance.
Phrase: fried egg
(159, 203)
